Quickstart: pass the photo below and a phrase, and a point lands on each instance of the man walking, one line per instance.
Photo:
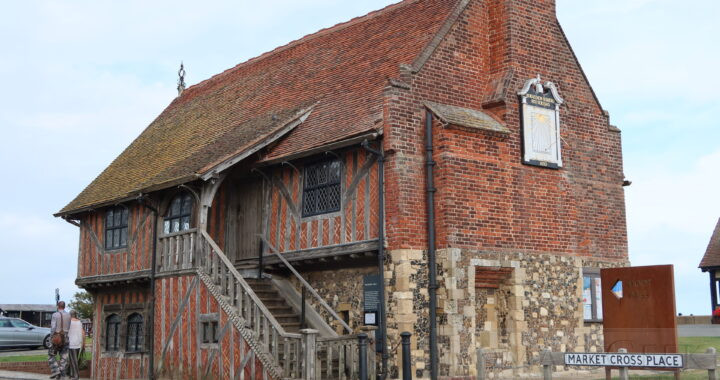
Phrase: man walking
(60, 323)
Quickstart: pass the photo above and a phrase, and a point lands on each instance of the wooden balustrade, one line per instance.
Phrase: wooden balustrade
(176, 251)
(338, 358)
(335, 358)
(283, 347)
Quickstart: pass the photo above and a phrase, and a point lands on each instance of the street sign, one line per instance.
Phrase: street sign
(624, 360)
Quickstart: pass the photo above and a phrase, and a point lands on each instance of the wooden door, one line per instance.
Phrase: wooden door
(245, 218)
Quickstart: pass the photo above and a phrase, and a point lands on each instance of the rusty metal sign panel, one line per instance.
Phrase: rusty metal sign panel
(639, 309)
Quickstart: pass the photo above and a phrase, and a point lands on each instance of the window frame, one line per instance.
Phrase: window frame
(308, 189)
(594, 275)
(209, 331)
(116, 228)
(170, 216)
(137, 336)
(115, 321)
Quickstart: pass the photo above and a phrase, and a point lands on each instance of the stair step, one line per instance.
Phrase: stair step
(279, 309)
(265, 292)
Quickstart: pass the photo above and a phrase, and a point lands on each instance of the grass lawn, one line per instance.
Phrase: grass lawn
(698, 345)
(40, 357)
(25, 358)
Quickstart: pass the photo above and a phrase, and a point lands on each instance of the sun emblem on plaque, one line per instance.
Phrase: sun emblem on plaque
(541, 123)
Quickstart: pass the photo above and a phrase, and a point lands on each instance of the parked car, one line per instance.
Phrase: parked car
(15, 332)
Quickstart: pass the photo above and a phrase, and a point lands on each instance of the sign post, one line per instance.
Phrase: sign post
(371, 299)
(624, 361)
(371, 305)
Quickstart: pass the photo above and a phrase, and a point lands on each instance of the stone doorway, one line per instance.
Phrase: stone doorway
(499, 317)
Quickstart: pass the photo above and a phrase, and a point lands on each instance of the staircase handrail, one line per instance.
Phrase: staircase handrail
(246, 287)
(307, 285)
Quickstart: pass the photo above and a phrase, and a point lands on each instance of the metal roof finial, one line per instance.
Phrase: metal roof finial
(181, 79)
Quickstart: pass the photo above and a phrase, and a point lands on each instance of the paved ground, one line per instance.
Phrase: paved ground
(698, 330)
(22, 375)
(22, 351)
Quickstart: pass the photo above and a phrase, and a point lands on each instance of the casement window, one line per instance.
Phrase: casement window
(179, 214)
(135, 339)
(116, 227)
(592, 296)
(210, 332)
(112, 333)
(321, 188)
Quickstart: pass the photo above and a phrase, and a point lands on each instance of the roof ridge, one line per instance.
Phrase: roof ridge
(308, 37)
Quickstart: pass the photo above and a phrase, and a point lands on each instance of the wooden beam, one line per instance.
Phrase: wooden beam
(370, 136)
(331, 251)
(713, 291)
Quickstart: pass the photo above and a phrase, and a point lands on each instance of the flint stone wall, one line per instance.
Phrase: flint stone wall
(539, 306)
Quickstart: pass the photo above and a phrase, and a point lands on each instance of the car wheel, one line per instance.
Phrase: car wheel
(46, 342)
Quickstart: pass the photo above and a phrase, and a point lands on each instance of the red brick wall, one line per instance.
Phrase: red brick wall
(329, 229)
(180, 301)
(287, 233)
(115, 365)
(35, 367)
(487, 199)
(94, 260)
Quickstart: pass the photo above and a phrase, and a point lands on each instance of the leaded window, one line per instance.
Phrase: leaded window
(116, 227)
(112, 333)
(135, 333)
(321, 190)
(178, 216)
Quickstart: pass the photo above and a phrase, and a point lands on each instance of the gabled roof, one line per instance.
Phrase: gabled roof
(27, 307)
(712, 254)
(342, 71)
(466, 117)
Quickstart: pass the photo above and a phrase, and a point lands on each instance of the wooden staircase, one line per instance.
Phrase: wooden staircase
(265, 320)
(276, 304)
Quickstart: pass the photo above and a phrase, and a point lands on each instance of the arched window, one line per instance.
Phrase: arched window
(116, 227)
(135, 339)
(112, 332)
(178, 216)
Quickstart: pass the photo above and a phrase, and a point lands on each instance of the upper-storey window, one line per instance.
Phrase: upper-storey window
(178, 216)
(321, 191)
(116, 228)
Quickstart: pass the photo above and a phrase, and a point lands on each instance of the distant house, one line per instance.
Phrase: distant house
(711, 263)
(38, 315)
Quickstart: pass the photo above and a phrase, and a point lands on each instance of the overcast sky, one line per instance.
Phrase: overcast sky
(81, 79)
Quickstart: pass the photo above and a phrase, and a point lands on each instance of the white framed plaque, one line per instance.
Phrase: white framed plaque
(540, 119)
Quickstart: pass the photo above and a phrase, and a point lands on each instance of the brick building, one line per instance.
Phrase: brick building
(452, 151)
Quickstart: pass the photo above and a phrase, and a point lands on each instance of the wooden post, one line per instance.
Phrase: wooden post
(623, 370)
(713, 291)
(711, 372)
(547, 365)
(480, 364)
(309, 336)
